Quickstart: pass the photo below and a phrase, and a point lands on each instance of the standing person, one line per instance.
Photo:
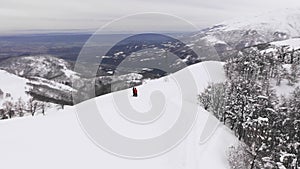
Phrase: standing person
(135, 92)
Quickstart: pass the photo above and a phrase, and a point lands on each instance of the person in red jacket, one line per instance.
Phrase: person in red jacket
(134, 90)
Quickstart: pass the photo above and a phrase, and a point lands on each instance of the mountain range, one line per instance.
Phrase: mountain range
(51, 78)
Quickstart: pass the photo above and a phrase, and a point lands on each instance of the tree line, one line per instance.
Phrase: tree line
(268, 125)
(21, 108)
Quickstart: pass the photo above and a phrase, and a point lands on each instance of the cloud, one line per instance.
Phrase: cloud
(20, 15)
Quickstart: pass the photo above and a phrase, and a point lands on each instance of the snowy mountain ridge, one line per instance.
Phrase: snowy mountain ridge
(230, 36)
(284, 20)
(45, 66)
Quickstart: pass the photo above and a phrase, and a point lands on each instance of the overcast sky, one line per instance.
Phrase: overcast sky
(45, 15)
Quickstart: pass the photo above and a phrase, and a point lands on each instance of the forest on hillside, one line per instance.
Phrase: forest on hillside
(267, 124)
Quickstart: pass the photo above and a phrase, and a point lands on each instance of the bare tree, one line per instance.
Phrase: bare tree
(20, 107)
(42, 106)
(3, 115)
(8, 108)
(32, 106)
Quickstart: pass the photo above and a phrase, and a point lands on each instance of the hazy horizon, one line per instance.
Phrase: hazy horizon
(34, 16)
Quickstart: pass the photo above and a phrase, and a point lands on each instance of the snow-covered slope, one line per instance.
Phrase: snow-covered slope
(57, 140)
(13, 86)
(293, 43)
(45, 66)
(49, 77)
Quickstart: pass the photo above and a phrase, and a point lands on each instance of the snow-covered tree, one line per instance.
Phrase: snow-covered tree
(270, 127)
(213, 99)
(8, 109)
(20, 107)
(32, 106)
(239, 156)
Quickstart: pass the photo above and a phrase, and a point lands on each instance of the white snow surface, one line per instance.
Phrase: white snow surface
(58, 141)
(51, 84)
(13, 85)
(213, 40)
(292, 43)
(284, 89)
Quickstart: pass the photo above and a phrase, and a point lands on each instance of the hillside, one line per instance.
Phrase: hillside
(57, 140)
(13, 87)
